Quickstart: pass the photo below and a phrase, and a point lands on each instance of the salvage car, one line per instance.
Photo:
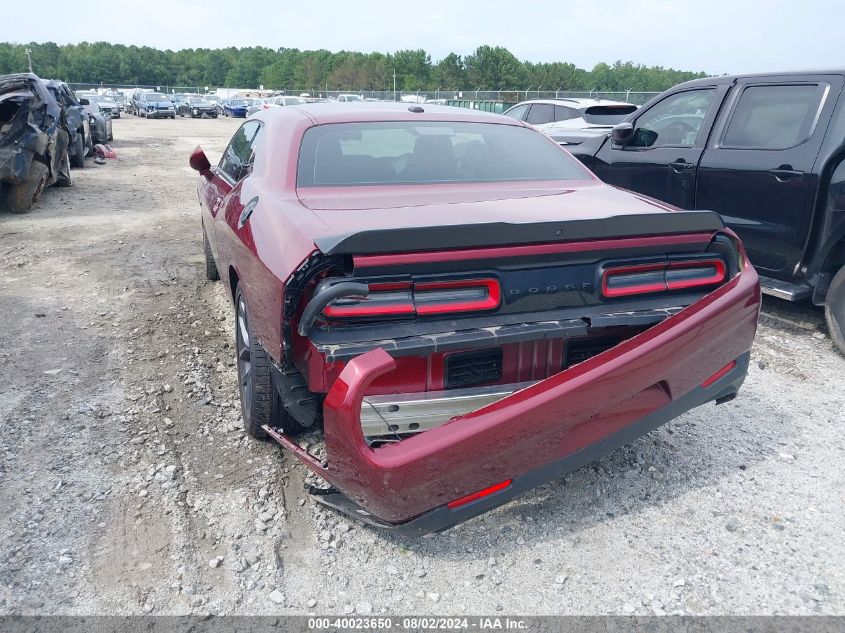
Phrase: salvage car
(77, 120)
(108, 106)
(235, 107)
(767, 151)
(99, 123)
(461, 307)
(154, 105)
(33, 142)
(196, 107)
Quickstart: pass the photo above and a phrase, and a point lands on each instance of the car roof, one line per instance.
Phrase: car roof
(574, 102)
(368, 111)
(729, 79)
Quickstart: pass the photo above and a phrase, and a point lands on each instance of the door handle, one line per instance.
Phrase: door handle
(785, 173)
(681, 165)
(216, 206)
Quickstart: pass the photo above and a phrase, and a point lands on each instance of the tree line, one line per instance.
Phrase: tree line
(487, 68)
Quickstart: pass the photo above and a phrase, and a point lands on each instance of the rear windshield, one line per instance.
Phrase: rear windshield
(237, 102)
(607, 115)
(349, 154)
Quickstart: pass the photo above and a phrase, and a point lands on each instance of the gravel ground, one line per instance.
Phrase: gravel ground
(128, 485)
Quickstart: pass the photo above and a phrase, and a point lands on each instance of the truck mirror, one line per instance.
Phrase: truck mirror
(622, 133)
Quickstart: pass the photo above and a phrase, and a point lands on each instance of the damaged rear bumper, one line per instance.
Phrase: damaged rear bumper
(539, 432)
(443, 517)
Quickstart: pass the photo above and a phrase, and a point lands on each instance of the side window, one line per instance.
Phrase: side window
(541, 113)
(675, 121)
(773, 117)
(238, 154)
(517, 112)
(562, 113)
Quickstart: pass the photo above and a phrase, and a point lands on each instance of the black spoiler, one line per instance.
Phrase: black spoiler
(423, 238)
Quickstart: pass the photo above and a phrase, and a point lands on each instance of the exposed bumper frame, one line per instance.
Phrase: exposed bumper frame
(443, 517)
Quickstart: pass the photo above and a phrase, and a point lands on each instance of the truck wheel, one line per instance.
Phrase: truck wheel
(211, 272)
(20, 198)
(834, 309)
(78, 158)
(111, 132)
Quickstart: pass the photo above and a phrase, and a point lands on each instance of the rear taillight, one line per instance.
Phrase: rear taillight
(627, 280)
(440, 297)
(420, 298)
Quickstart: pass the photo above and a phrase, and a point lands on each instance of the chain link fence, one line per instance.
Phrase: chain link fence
(500, 96)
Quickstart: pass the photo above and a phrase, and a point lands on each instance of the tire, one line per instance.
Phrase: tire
(260, 402)
(834, 309)
(78, 158)
(211, 272)
(172, 117)
(110, 136)
(20, 198)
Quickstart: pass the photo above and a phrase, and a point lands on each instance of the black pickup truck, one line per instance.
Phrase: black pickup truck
(766, 151)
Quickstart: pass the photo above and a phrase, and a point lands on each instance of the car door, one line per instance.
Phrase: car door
(222, 191)
(757, 168)
(668, 141)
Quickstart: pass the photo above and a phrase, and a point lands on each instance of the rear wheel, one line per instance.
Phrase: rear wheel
(260, 403)
(110, 135)
(20, 198)
(834, 309)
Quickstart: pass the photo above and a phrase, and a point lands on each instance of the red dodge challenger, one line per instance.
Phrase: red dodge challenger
(463, 308)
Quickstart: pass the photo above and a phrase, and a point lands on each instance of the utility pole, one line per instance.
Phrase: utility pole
(394, 84)
(29, 58)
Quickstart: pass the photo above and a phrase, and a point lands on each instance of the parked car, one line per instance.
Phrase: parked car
(99, 123)
(178, 99)
(766, 152)
(154, 105)
(216, 101)
(197, 107)
(461, 306)
(274, 102)
(349, 98)
(235, 107)
(33, 142)
(78, 121)
(550, 115)
(108, 106)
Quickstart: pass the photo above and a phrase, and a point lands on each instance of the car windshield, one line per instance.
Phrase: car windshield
(237, 102)
(350, 154)
(154, 96)
(198, 101)
(293, 101)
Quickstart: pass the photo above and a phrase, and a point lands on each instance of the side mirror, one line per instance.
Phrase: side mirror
(84, 102)
(622, 133)
(199, 161)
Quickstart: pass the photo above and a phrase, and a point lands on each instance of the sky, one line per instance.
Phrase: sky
(714, 36)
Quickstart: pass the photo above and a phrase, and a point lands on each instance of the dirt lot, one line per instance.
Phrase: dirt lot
(128, 486)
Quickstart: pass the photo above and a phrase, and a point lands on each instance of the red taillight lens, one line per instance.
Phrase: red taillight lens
(387, 299)
(486, 492)
(623, 281)
(421, 298)
(441, 297)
